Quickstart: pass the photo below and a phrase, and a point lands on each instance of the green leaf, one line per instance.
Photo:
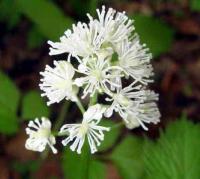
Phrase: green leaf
(195, 5)
(75, 165)
(176, 154)
(34, 106)
(49, 19)
(24, 167)
(97, 170)
(35, 38)
(111, 136)
(93, 6)
(156, 34)
(9, 99)
(9, 13)
(9, 94)
(8, 121)
(82, 166)
(83, 7)
(127, 157)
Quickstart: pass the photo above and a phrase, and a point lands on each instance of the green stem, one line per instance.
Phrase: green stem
(80, 106)
(86, 152)
(57, 125)
(61, 117)
(93, 100)
(85, 160)
(117, 125)
(62, 134)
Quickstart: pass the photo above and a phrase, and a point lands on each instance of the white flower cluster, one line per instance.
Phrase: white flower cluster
(109, 56)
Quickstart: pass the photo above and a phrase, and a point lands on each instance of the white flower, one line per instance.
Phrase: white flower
(40, 135)
(83, 41)
(134, 58)
(145, 112)
(124, 99)
(114, 26)
(134, 105)
(57, 82)
(89, 127)
(97, 77)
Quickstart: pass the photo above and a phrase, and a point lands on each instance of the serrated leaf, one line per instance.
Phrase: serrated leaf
(195, 5)
(81, 166)
(127, 157)
(49, 19)
(155, 33)
(110, 136)
(176, 154)
(34, 106)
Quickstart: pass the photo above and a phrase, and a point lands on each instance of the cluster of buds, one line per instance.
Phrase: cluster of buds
(105, 58)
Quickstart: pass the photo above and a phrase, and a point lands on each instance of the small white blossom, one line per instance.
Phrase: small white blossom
(124, 99)
(145, 112)
(97, 77)
(134, 105)
(89, 127)
(83, 41)
(114, 26)
(57, 82)
(40, 135)
(134, 58)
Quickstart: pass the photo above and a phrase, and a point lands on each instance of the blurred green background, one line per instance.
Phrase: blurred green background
(170, 150)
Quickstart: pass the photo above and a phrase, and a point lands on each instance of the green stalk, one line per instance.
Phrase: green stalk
(86, 152)
(93, 100)
(80, 106)
(61, 117)
(57, 125)
(85, 155)
(117, 125)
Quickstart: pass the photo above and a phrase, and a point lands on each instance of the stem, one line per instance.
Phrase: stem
(57, 125)
(93, 100)
(80, 106)
(85, 159)
(62, 134)
(117, 125)
(86, 152)
(61, 116)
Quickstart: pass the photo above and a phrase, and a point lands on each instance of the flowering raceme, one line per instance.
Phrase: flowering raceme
(105, 58)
